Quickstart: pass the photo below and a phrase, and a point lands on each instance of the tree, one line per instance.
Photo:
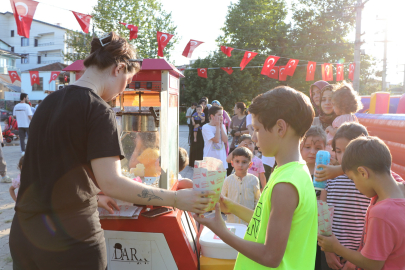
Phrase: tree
(148, 15)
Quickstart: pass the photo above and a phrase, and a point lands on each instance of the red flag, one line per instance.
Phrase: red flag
(311, 71)
(83, 20)
(351, 71)
(191, 45)
(246, 59)
(54, 75)
(66, 78)
(227, 50)
(282, 76)
(327, 72)
(228, 70)
(34, 77)
(14, 76)
(162, 39)
(339, 73)
(291, 66)
(269, 64)
(273, 73)
(202, 72)
(23, 13)
(133, 30)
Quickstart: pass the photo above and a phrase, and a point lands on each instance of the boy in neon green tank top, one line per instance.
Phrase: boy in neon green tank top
(282, 231)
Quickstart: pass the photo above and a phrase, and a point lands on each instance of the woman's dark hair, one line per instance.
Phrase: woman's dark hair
(241, 106)
(202, 101)
(20, 163)
(118, 50)
(349, 131)
(346, 99)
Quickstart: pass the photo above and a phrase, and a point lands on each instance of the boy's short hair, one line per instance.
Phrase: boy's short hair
(316, 131)
(244, 137)
(349, 131)
(244, 152)
(198, 106)
(346, 99)
(367, 151)
(183, 159)
(285, 103)
(214, 109)
(23, 95)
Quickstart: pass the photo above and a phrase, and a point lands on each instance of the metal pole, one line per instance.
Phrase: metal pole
(384, 75)
(356, 81)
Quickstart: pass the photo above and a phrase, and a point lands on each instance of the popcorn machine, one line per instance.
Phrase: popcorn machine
(147, 118)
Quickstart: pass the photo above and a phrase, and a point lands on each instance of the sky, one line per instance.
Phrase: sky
(202, 20)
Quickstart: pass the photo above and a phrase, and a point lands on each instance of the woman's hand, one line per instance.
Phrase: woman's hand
(327, 172)
(216, 224)
(107, 203)
(193, 201)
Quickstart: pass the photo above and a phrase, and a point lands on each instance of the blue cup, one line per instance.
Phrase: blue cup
(322, 157)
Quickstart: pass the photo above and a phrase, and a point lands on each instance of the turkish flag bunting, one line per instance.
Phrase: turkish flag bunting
(339, 73)
(54, 75)
(269, 64)
(14, 76)
(191, 45)
(327, 72)
(83, 20)
(282, 76)
(228, 70)
(23, 13)
(273, 73)
(352, 66)
(246, 59)
(162, 39)
(291, 66)
(34, 77)
(133, 30)
(202, 72)
(311, 71)
(227, 50)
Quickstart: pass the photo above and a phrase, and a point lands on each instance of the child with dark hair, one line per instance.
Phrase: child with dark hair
(183, 163)
(197, 118)
(283, 227)
(241, 187)
(367, 162)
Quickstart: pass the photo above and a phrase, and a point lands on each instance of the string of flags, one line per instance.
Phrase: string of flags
(24, 11)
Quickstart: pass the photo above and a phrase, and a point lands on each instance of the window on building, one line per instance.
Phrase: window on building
(39, 59)
(12, 49)
(24, 58)
(12, 33)
(35, 42)
(25, 42)
(39, 87)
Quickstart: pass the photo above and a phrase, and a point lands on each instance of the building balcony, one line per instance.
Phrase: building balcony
(4, 69)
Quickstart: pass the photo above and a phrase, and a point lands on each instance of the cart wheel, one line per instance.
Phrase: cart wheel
(9, 139)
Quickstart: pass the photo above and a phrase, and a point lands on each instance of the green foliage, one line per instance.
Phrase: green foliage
(182, 118)
(80, 43)
(148, 15)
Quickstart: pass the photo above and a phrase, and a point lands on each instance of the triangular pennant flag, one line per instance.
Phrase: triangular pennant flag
(191, 45)
(24, 11)
(339, 73)
(83, 20)
(228, 70)
(291, 66)
(162, 39)
(311, 67)
(133, 30)
(282, 76)
(14, 76)
(352, 66)
(202, 72)
(246, 59)
(269, 64)
(273, 73)
(34, 75)
(54, 75)
(227, 50)
(327, 72)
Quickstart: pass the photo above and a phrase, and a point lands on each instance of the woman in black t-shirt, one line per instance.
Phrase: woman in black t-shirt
(73, 142)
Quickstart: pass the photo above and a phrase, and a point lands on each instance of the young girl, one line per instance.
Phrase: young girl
(197, 118)
(345, 103)
(16, 182)
(315, 94)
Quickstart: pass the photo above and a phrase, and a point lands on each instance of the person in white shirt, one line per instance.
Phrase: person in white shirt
(189, 113)
(23, 114)
(214, 135)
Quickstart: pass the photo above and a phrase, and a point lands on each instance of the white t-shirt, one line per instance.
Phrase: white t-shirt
(269, 161)
(211, 149)
(21, 112)
(189, 113)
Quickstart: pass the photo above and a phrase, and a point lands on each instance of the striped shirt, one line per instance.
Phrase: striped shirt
(350, 210)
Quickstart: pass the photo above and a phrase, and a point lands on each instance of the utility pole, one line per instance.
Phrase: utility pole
(384, 74)
(357, 45)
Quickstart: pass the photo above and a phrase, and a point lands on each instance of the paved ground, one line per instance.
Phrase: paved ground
(12, 155)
